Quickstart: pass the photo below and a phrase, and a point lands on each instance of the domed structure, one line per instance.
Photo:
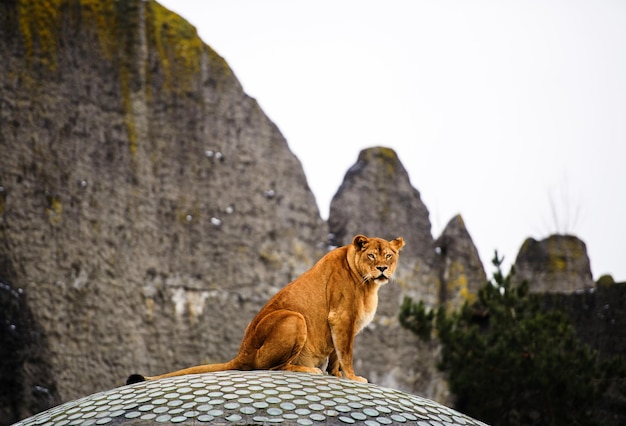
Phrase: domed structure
(250, 397)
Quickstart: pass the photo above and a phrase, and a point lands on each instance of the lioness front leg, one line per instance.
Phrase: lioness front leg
(333, 365)
(342, 332)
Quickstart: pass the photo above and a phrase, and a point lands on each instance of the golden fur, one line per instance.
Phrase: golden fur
(316, 317)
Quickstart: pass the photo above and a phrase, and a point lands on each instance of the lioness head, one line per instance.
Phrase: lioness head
(375, 259)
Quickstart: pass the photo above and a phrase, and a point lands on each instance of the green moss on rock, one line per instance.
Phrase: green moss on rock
(605, 280)
(386, 158)
(39, 23)
(177, 43)
(54, 211)
(558, 263)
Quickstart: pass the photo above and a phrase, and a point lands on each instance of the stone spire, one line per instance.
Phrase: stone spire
(460, 270)
(376, 198)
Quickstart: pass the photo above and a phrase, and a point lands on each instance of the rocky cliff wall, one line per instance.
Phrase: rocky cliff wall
(148, 207)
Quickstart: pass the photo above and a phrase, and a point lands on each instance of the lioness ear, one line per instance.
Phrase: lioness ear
(360, 242)
(397, 244)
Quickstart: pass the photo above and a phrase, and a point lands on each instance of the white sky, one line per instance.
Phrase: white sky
(512, 113)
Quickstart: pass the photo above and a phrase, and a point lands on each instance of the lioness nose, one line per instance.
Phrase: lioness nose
(381, 268)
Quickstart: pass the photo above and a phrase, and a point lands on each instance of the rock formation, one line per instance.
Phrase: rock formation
(377, 198)
(458, 265)
(379, 185)
(557, 264)
(27, 384)
(148, 207)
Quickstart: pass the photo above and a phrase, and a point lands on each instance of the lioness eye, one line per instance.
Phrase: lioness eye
(389, 256)
(371, 256)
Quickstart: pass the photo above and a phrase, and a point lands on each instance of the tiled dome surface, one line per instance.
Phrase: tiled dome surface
(251, 397)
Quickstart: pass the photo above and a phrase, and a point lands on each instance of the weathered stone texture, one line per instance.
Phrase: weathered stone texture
(459, 268)
(26, 383)
(557, 264)
(148, 206)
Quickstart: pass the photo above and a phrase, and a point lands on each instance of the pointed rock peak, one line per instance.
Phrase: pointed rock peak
(455, 225)
(557, 264)
(461, 272)
(376, 198)
(381, 161)
(454, 232)
(379, 153)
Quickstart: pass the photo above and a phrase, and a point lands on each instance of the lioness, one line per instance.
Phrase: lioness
(315, 317)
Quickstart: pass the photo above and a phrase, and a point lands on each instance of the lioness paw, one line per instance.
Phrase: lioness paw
(359, 379)
(135, 378)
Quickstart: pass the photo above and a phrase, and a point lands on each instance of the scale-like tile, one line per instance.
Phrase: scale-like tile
(251, 397)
